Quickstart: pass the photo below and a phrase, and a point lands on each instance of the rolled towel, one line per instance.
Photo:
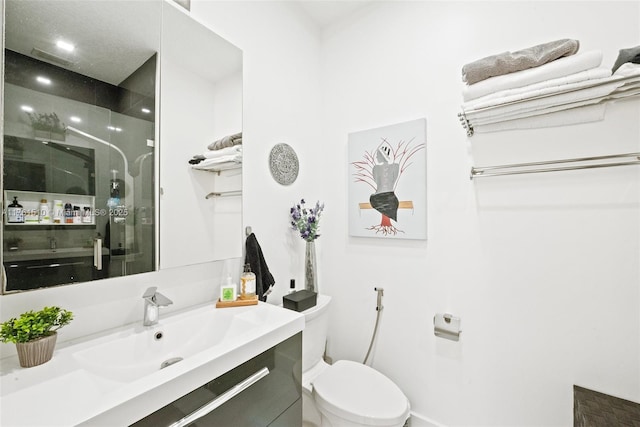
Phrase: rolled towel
(552, 70)
(508, 62)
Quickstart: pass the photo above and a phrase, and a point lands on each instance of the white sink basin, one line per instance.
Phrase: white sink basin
(136, 353)
(116, 378)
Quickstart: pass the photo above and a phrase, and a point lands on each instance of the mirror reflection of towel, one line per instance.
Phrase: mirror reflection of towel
(255, 258)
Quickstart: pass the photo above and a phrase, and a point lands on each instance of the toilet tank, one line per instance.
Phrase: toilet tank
(314, 335)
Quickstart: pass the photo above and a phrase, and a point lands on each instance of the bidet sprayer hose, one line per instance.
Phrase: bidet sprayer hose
(379, 308)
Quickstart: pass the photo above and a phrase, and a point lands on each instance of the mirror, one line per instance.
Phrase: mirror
(201, 92)
(79, 140)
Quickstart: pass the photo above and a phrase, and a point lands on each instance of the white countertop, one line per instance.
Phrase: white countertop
(62, 393)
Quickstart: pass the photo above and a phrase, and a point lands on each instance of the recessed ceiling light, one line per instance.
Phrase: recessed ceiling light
(75, 119)
(65, 45)
(113, 128)
(118, 129)
(43, 80)
(26, 108)
(145, 110)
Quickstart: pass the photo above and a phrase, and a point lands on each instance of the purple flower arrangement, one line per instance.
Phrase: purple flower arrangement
(306, 220)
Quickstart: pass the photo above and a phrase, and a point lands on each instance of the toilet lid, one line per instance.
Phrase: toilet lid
(360, 394)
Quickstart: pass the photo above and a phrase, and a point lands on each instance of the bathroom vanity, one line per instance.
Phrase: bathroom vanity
(273, 400)
(119, 378)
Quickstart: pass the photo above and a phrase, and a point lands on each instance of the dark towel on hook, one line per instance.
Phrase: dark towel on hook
(255, 259)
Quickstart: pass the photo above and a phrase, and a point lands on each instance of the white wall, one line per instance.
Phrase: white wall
(544, 270)
(281, 104)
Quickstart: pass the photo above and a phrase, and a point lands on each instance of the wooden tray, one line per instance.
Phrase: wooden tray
(237, 303)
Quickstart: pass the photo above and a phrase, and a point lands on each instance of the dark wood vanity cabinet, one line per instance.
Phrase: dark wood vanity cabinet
(274, 400)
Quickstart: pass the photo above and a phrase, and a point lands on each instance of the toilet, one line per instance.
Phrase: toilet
(346, 393)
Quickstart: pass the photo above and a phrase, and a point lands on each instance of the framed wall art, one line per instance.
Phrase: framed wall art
(387, 195)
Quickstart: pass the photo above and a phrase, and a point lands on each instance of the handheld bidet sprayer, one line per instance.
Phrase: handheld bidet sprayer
(379, 308)
(380, 292)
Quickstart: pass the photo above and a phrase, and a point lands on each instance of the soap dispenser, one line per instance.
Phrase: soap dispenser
(114, 190)
(15, 213)
(228, 291)
(248, 283)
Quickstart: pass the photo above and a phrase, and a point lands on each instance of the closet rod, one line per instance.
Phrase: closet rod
(487, 171)
(223, 194)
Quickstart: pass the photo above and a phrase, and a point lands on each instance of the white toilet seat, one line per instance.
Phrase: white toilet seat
(360, 394)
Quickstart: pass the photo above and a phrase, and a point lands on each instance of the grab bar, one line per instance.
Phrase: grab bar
(223, 398)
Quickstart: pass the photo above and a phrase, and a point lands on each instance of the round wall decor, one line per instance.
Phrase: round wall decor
(283, 163)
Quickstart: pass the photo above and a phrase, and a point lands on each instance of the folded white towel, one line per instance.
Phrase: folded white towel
(628, 70)
(560, 84)
(547, 97)
(572, 116)
(220, 163)
(626, 91)
(212, 154)
(538, 112)
(582, 112)
(558, 68)
(568, 95)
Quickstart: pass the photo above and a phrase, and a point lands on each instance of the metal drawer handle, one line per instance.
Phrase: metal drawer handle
(54, 265)
(220, 400)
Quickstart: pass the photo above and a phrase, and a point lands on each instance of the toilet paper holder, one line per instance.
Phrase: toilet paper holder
(446, 325)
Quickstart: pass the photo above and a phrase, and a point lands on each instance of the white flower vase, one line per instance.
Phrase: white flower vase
(310, 275)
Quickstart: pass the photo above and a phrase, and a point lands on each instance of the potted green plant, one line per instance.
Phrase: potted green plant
(34, 334)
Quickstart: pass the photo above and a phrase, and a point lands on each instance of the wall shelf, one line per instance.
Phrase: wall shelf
(222, 167)
(30, 201)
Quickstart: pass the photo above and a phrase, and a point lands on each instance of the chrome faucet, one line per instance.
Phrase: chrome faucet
(152, 302)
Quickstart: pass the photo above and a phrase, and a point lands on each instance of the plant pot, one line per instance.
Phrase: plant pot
(36, 352)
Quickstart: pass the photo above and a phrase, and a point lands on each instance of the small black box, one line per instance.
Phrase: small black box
(300, 300)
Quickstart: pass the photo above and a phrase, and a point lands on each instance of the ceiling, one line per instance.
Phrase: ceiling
(108, 53)
(113, 39)
(325, 13)
(105, 51)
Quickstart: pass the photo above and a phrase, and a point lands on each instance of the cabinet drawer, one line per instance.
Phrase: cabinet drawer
(276, 396)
